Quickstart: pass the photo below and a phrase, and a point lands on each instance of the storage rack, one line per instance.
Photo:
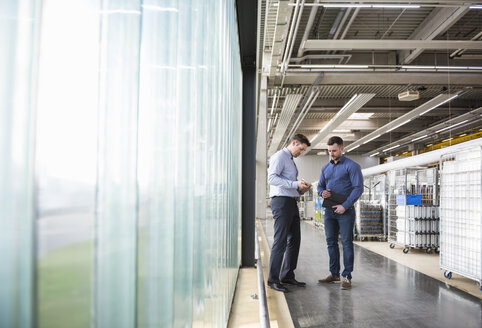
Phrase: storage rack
(371, 209)
(461, 215)
(319, 211)
(305, 205)
(413, 213)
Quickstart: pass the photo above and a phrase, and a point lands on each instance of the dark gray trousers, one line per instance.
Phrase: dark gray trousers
(287, 239)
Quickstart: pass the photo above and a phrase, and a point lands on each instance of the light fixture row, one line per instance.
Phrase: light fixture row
(365, 5)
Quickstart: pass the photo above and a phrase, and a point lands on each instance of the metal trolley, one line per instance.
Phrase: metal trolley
(371, 209)
(461, 215)
(413, 212)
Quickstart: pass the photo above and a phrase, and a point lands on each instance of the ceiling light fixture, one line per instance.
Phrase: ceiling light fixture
(476, 7)
(371, 139)
(393, 147)
(360, 116)
(451, 126)
(374, 154)
(360, 5)
(439, 104)
(399, 125)
(355, 103)
(419, 138)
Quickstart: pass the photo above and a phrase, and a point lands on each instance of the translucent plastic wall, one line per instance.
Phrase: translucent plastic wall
(120, 126)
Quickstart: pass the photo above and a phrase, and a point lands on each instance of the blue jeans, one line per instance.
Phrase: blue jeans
(340, 224)
(287, 239)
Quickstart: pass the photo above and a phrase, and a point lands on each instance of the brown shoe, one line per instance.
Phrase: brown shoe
(345, 283)
(329, 279)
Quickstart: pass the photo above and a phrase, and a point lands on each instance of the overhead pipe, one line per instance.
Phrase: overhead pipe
(350, 22)
(422, 159)
(308, 28)
(340, 26)
(291, 37)
(341, 57)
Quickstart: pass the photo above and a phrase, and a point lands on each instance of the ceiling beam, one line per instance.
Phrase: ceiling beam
(321, 45)
(437, 22)
(356, 78)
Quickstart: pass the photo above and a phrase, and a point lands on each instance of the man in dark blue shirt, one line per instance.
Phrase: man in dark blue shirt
(344, 177)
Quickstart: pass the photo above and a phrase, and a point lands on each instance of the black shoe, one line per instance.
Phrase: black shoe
(277, 286)
(293, 282)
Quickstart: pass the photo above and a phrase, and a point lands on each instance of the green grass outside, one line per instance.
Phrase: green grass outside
(65, 287)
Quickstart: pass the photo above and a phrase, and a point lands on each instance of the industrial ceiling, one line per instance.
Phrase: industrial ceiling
(389, 77)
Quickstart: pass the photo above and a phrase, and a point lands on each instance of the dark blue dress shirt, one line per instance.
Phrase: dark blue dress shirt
(344, 177)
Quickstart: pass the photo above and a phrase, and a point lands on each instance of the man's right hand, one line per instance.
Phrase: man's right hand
(326, 193)
(303, 186)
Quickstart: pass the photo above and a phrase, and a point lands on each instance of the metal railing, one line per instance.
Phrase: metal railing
(263, 306)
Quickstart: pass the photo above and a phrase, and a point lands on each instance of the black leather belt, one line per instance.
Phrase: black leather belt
(290, 197)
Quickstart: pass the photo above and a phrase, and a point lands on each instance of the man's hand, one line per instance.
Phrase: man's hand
(303, 186)
(326, 193)
(338, 209)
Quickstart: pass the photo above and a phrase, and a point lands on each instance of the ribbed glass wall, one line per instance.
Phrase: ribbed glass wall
(121, 191)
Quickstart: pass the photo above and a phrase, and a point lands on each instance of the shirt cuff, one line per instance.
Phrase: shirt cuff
(294, 184)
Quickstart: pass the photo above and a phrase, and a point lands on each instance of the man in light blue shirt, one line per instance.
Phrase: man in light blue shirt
(340, 176)
(285, 188)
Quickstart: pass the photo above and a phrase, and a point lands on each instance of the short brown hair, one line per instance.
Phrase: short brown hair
(301, 139)
(335, 140)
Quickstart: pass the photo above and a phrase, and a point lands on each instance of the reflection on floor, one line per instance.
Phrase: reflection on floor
(384, 294)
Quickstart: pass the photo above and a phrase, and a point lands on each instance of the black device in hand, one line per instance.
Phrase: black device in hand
(333, 200)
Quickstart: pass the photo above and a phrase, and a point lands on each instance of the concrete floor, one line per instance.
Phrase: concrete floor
(385, 293)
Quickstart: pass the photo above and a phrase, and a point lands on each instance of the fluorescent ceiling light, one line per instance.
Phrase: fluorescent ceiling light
(439, 104)
(360, 5)
(396, 6)
(345, 5)
(360, 116)
(399, 125)
(476, 7)
(323, 152)
(463, 135)
(419, 138)
(371, 139)
(342, 131)
(451, 126)
(393, 147)
(447, 139)
(355, 147)
(323, 66)
(375, 154)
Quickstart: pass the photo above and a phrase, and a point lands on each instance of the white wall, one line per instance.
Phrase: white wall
(309, 167)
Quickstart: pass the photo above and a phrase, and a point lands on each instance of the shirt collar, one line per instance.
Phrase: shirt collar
(288, 152)
(341, 160)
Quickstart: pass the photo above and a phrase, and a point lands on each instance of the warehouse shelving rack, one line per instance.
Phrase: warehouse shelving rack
(413, 212)
(461, 215)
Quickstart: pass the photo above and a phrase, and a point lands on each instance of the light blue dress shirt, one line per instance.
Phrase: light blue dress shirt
(283, 175)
